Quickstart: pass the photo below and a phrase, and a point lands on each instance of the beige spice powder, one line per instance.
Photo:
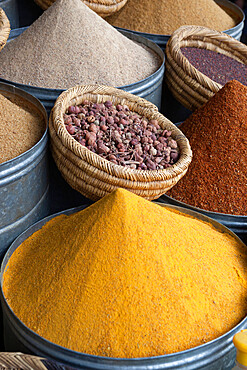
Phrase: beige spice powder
(20, 129)
(70, 45)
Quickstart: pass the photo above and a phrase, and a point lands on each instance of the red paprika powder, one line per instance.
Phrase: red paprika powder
(217, 177)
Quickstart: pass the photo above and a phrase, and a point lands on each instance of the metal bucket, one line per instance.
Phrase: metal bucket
(24, 182)
(227, 5)
(233, 10)
(170, 107)
(236, 223)
(11, 9)
(150, 88)
(218, 354)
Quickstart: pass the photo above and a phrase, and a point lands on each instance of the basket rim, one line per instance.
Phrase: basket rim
(119, 171)
(99, 6)
(4, 28)
(205, 36)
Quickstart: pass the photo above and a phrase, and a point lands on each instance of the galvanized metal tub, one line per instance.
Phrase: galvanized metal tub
(150, 88)
(170, 107)
(236, 223)
(227, 5)
(24, 182)
(11, 9)
(218, 354)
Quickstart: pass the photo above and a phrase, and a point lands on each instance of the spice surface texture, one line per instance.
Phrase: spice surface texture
(21, 127)
(217, 179)
(68, 45)
(128, 278)
(219, 67)
(121, 136)
(165, 16)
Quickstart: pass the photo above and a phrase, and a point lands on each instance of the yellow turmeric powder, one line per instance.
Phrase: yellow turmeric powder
(128, 278)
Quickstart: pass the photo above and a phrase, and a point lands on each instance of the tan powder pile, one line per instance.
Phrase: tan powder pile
(20, 129)
(165, 16)
(70, 45)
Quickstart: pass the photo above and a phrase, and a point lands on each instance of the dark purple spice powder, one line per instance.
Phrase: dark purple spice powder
(219, 67)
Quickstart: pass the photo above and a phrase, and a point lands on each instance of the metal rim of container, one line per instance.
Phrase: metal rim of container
(12, 89)
(161, 36)
(211, 214)
(16, 32)
(113, 363)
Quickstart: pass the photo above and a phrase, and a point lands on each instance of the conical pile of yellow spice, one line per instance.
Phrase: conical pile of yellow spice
(128, 278)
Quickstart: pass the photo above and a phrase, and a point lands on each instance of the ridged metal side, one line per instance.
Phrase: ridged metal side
(149, 88)
(24, 183)
(235, 32)
(218, 354)
(236, 223)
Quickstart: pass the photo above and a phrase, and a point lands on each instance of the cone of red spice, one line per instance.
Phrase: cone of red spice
(216, 179)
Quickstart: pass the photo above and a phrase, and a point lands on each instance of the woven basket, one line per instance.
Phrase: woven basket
(103, 8)
(18, 360)
(189, 86)
(94, 176)
(4, 28)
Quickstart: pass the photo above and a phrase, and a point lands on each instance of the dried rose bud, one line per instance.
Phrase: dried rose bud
(67, 120)
(103, 127)
(70, 129)
(108, 104)
(102, 148)
(93, 128)
(71, 109)
(150, 164)
(90, 119)
(172, 144)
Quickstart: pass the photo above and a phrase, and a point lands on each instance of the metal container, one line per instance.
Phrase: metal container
(24, 182)
(11, 9)
(218, 354)
(227, 5)
(170, 107)
(237, 13)
(236, 223)
(150, 88)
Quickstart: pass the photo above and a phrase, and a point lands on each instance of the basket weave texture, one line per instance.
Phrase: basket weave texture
(103, 8)
(18, 360)
(188, 85)
(4, 28)
(94, 176)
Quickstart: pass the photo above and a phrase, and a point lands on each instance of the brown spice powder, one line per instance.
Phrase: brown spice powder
(20, 129)
(165, 16)
(216, 179)
(70, 45)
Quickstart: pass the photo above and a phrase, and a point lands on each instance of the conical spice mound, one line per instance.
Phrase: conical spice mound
(128, 278)
(217, 131)
(69, 44)
(165, 16)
